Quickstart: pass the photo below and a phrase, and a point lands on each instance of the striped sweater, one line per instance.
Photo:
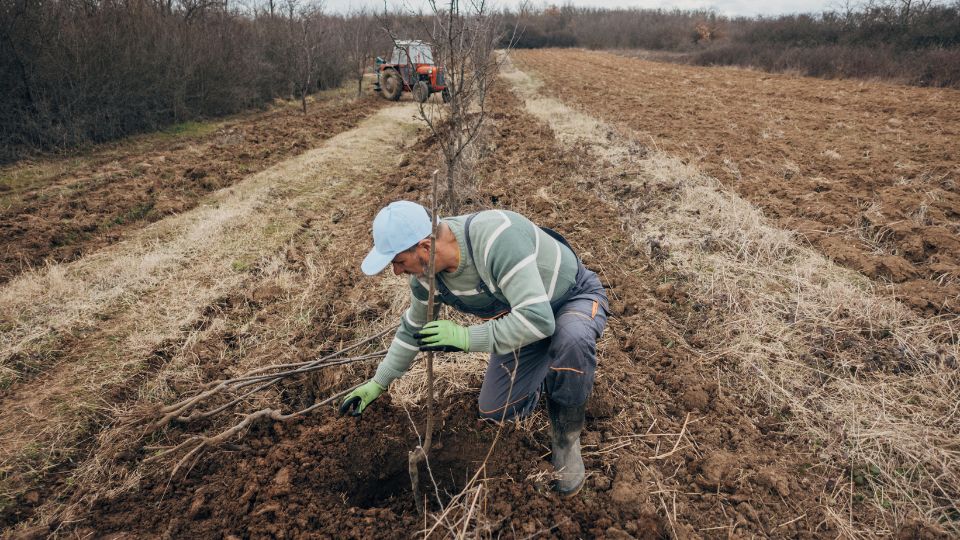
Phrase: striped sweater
(521, 265)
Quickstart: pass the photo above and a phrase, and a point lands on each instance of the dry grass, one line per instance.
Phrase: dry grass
(857, 372)
(102, 476)
(227, 233)
(130, 309)
(872, 386)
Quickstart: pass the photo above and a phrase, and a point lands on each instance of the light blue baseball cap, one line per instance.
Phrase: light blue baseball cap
(396, 228)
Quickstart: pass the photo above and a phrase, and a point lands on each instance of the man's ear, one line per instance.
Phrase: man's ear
(425, 244)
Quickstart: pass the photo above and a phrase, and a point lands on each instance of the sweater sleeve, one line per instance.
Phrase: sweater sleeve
(403, 349)
(508, 251)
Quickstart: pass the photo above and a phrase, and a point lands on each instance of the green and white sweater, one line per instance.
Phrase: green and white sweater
(521, 265)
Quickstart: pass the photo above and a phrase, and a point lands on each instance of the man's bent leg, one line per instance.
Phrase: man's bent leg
(510, 388)
(573, 350)
(573, 364)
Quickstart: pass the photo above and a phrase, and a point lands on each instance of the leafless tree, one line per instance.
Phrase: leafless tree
(305, 34)
(364, 38)
(464, 36)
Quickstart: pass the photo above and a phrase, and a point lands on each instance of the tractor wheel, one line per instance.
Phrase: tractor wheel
(445, 95)
(421, 92)
(390, 85)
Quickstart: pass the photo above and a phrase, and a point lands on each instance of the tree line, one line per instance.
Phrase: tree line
(917, 42)
(79, 71)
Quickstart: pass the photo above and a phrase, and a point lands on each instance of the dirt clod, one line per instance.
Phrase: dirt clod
(774, 480)
(719, 471)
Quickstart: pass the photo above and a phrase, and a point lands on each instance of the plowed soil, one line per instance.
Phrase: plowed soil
(84, 204)
(339, 478)
(673, 447)
(867, 172)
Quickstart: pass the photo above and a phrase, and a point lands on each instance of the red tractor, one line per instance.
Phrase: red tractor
(411, 68)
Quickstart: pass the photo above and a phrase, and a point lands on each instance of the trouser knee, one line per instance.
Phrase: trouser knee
(512, 411)
(572, 371)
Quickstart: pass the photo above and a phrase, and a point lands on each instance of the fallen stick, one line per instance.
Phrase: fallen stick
(260, 380)
(312, 366)
(329, 356)
(179, 411)
(220, 383)
(270, 382)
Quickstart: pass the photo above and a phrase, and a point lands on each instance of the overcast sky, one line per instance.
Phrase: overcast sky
(722, 7)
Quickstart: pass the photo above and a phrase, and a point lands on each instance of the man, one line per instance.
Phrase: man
(542, 312)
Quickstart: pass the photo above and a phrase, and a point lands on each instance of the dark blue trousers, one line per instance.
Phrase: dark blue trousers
(564, 364)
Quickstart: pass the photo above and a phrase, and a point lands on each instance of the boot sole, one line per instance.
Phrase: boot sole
(573, 492)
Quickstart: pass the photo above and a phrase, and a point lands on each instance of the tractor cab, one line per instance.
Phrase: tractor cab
(412, 52)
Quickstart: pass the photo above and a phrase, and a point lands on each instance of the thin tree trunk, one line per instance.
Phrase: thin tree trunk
(22, 71)
(420, 453)
(451, 179)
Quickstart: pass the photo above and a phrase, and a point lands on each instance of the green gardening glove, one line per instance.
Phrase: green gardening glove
(357, 401)
(446, 336)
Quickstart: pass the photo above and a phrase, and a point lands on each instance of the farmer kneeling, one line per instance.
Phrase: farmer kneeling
(535, 298)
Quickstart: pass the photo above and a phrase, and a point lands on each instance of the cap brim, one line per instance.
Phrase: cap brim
(375, 262)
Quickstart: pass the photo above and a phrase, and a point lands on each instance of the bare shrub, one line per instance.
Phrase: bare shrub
(463, 40)
(363, 38)
(929, 67)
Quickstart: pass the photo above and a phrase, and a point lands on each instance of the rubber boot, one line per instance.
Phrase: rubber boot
(567, 423)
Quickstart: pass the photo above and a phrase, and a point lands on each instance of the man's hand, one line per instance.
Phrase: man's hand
(446, 336)
(357, 401)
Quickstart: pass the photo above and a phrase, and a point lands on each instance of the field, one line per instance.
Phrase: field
(781, 255)
(865, 172)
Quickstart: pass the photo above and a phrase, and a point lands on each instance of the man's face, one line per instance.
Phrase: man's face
(414, 262)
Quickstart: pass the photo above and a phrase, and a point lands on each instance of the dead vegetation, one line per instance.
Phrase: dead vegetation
(228, 393)
(873, 385)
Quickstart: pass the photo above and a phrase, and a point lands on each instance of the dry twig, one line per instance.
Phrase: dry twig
(683, 430)
(177, 411)
(483, 465)
(199, 442)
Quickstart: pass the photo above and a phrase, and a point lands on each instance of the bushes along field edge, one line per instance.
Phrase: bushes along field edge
(896, 41)
(78, 73)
